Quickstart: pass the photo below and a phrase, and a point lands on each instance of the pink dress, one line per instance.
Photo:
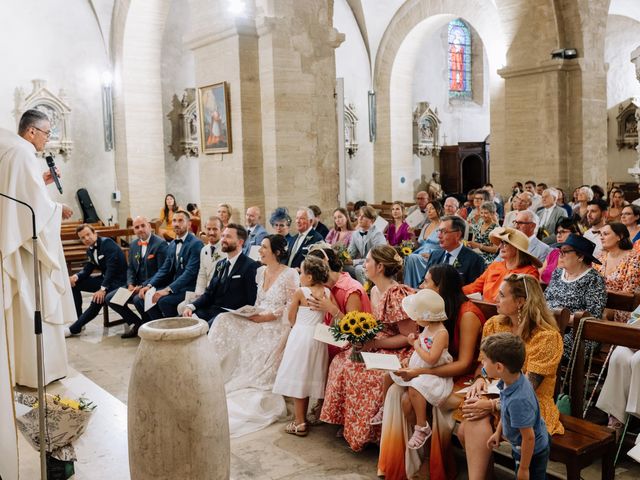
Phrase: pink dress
(333, 235)
(394, 237)
(354, 394)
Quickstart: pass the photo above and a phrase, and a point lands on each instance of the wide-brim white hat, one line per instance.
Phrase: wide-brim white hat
(425, 305)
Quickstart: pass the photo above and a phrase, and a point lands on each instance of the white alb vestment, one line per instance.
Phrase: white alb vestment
(21, 177)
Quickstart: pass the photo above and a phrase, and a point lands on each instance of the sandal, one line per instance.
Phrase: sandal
(377, 418)
(313, 417)
(297, 430)
(419, 437)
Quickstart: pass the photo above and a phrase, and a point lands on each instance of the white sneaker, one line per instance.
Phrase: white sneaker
(67, 332)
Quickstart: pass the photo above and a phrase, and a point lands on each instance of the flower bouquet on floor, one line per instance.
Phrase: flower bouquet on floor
(356, 328)
(67, 419)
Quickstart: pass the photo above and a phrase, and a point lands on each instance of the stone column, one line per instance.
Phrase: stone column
(635, 170)
(297, 45)
(225, 49)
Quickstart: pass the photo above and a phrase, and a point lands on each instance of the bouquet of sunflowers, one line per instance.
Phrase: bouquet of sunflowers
(343, 254)
(356, 328)
(405, 248)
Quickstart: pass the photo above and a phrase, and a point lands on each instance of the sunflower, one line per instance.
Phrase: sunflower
(353, 321)
(344, 326)
(366, 326)
(358, 331)
(406, 251)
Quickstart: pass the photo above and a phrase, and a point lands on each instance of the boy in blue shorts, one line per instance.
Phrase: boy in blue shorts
(520, 420)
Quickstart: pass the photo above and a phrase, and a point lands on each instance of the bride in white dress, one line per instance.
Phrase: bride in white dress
(250, 349)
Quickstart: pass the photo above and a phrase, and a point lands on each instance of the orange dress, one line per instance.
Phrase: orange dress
(168, 228)
(544, 351)
(488, 284)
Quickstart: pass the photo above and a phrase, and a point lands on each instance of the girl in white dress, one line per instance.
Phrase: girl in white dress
(304, 363)
(430, 350)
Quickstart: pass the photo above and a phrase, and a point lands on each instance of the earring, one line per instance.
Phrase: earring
(519, 315)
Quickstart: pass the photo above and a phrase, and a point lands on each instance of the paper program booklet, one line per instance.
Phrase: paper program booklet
(381, 361)
(246, 311)
(324, 335)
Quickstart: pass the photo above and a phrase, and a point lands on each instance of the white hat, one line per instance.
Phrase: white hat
(425, 305)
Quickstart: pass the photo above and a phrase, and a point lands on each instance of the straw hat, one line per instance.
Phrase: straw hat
(515, 238)
(425, 305)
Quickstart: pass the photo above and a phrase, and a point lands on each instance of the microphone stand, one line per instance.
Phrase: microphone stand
(37, 325)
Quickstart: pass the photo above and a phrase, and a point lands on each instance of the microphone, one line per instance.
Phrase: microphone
(52, 168)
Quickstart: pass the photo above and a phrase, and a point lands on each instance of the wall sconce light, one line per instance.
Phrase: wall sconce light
(566, 53)
(107, 110)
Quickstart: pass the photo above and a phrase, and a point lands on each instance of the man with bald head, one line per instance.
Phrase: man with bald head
(146, 255)
(422, 198)
(255, 231)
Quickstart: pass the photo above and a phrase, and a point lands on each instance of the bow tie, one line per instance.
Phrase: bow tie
(178, 241)
(363, 233)
(142, 243)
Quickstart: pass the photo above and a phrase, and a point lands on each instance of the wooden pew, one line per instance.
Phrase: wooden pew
(75, 254)
(583, 442)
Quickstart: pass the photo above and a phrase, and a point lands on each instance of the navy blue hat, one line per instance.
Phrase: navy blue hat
(583, 246)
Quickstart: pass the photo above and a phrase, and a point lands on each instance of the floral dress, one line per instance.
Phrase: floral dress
(354, 394)
(625, 278)
(483, 238)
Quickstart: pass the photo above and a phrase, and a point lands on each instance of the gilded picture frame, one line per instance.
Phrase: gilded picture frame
(215, 119)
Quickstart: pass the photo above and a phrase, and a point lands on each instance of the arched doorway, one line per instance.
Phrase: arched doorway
(472, 172)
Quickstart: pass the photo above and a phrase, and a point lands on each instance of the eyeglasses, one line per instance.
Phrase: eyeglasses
(563, 252)
(279, 225)
(442, 231)
(46, 134)
(562, 231)
(478, 198)
(515, 222)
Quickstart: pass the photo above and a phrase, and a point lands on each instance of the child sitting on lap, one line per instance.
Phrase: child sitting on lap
(430, 350)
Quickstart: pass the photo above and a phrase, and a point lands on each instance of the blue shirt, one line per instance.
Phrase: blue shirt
(519, 409)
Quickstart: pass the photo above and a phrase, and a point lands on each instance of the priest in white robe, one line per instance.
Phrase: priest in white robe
(22, 177)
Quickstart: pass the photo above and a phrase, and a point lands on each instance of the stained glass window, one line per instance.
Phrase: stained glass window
(459, 59)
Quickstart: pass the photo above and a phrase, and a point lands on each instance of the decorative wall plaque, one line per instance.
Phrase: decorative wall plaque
(184, 125)
(350, 124)
(55, 107)
(426, 130)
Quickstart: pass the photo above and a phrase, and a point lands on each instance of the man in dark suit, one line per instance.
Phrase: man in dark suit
(318, 226)
(146, 255)
(105, 255)
(177, 274)
(234, 281)
(469, 264)
(306, 237)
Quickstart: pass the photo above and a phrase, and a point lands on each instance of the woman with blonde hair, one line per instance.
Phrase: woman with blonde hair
(584, 196)
(224, 213)
(523, 311)
(398, 230)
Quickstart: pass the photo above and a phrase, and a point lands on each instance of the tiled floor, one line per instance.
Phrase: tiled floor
(102, 363)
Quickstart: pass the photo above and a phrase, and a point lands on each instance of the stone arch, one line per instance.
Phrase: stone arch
(136, 39)
(397, 48)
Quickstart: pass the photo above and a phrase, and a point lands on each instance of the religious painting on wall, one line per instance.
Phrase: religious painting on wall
(459, 38)
(215, 125)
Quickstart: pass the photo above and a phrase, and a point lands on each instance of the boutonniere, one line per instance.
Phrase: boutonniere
(219, 267)
(216, 257)
(137, 257)
(456, 263)
(151, 256)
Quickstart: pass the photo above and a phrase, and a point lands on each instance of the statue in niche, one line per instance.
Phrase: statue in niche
(631, 126)
(184, 125)
(426, 126)
(628, 118)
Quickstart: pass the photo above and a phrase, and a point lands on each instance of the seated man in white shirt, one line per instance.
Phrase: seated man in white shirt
(536, 200)
(520, 203)
(526, 222)
(210, 255)
(597, 212)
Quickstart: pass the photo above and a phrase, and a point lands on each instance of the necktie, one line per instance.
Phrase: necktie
(295, 248)
(179, 243)
(447, 258)
(142, 243)
(212, 250)
(225, 271)
(362, 234)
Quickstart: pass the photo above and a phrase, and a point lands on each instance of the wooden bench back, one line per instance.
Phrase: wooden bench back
(603, 331)
(627, 302)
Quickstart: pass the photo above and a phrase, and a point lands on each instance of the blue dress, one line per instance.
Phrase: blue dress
(415, 265)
